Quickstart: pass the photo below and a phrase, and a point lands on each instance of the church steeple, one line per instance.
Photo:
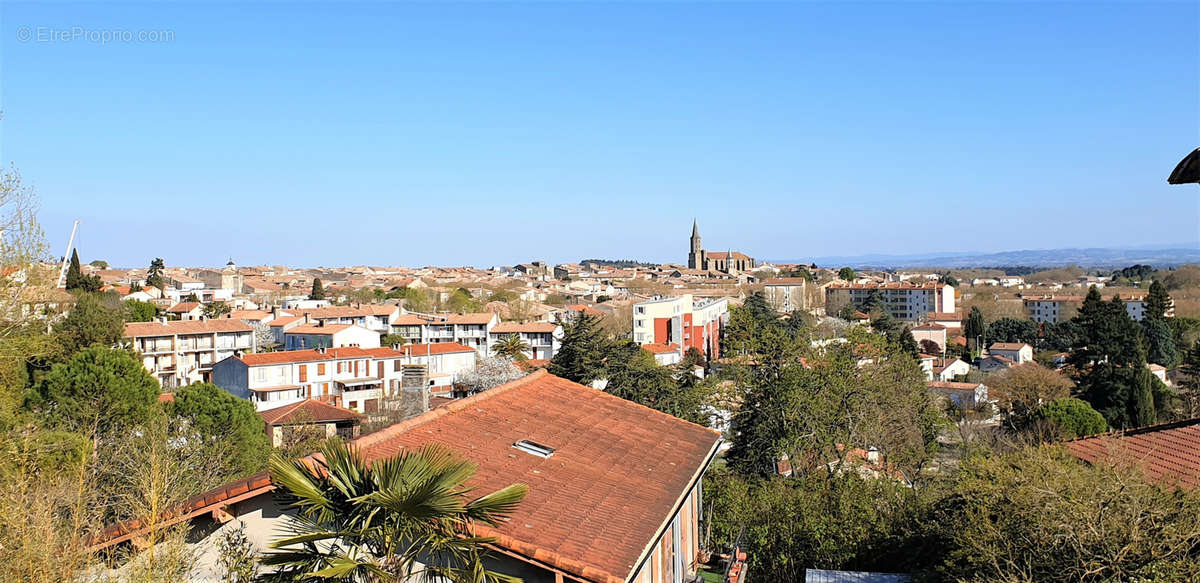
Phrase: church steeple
(695, 251)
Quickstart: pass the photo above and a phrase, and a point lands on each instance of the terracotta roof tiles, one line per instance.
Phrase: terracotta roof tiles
(1169, 453)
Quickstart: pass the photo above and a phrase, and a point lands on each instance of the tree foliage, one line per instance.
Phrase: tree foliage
(154, 275)
(91, 322)
(139, 311)
(98, 390)
(397, 519)
(580, 358)
(1071, 417)
(215, 415)
(318, 290)
(1022, 389)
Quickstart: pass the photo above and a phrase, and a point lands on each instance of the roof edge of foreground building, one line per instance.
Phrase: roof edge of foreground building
(1169, 453)
(617, 477)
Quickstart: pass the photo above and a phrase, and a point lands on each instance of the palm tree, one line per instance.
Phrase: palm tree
(404, 518)
(512, 347)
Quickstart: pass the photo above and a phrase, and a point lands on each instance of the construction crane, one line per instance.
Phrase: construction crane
(62, 272)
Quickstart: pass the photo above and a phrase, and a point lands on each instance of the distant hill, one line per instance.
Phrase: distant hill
(1169, 256)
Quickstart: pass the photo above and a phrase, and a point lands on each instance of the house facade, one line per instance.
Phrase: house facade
(307, 336)
(181, 352)
(543, 338)
(351, 377)
(786, 294)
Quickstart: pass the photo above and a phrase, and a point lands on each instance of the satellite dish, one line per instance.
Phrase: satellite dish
(1188, 170)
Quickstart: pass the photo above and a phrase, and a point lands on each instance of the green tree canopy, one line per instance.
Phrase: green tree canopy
(1013, 330)
(512, 347)
(318, 290)
(218, 416)
(139, 311)
(974, 328)
(91, 322)
(1160, 342)
(846, 273)
(1072, 417)
(1158, 301)
(584, 347)
(97, 390)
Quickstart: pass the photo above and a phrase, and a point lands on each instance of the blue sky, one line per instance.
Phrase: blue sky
(493, 133)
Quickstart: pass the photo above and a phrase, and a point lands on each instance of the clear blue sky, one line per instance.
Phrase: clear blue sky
(491, 133)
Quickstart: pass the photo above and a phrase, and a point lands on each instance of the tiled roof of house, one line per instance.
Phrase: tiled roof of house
(249, 315)
(284, 321)
(661, 348)
(307, 411)
(1169, 453)
(531, 327)
(141, 329)
(434, 348)
(929, 326)
(183, 307)
(616, 475)
(943, 316)
(952, 385)
(1007, 346)
(311, 355)
(786, 281)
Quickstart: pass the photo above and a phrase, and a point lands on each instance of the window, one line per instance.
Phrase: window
(353, 404)
(534, 448)
(320, 368)
(260, 374)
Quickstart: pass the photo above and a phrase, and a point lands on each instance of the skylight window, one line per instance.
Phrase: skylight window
(534, 448)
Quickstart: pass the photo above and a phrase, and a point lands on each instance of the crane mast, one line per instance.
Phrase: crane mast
(62, 271)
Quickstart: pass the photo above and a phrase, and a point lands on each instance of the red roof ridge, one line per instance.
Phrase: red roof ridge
(1136, 430)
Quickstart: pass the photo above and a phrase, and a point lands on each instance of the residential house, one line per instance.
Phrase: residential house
(181, 352)
(931, 332)
(951, 320)
(786, 294)
(307, 336)
(664, 354)
(543, 338)
(614, 487)
(309, 418)
(963, 395)
(996, 363)
(351, 377)
(1018, 352)
(947, 369)
(443, 360)
(186, 311)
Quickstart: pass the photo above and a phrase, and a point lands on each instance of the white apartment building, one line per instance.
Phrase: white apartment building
(682, 321)
(1053, 309)
(786, 294)
(443, 360)
(375, 317)
(181, 352)
(903, 300)
(354, 378)
(471, 330)
(543, 338)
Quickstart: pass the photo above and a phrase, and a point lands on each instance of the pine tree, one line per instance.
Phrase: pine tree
(1160, 343)
(584, 348)
(154, 275)
(74, 272)
(1157, 302)
(318, 290)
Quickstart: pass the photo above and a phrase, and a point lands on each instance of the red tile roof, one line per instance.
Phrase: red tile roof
(531, 327)
(661, 348)
(952, 385)
(284, 321)
(183, 307)
(146, 329)
(617, 473)
(1169, 453)
(312, 355)
(1007, 346)
(252, 315)
(434, 348)
(308, 411)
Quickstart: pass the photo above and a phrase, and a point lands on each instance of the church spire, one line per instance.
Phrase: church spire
(695, 230)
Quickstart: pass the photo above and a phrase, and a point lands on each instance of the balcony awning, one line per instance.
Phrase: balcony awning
(276, 388)
(361, 381)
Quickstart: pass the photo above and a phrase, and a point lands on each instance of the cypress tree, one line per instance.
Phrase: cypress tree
(1160, 343)
(74, 272)
(1144, 412)
(318, 290)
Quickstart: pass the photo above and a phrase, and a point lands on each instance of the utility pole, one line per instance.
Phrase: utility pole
(62, 272)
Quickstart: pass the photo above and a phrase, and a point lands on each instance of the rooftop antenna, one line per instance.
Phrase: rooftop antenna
(62, 271)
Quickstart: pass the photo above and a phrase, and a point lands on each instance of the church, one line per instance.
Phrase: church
(723, 261)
